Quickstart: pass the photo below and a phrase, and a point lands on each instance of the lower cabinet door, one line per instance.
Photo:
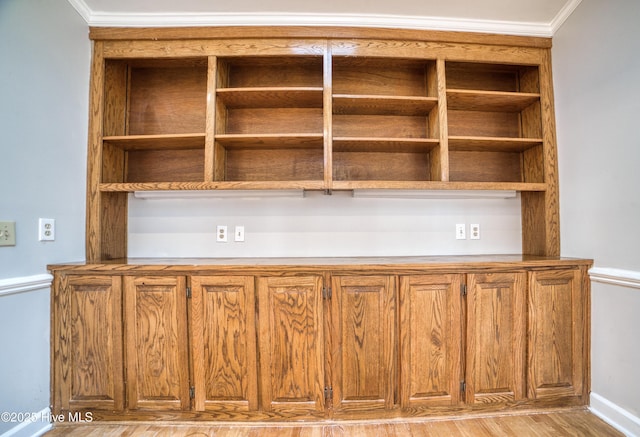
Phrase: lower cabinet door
(223, 344)
(87, 343)
(363, 351)
(430, 340)
(156, 343)
(291, 345)
(558, 334)
(496, 338)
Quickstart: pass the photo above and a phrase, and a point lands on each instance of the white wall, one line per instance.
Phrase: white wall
(321, 225)
(44, 80)
(596, 66)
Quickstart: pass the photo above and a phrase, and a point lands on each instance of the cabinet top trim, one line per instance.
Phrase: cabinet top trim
(332, 32)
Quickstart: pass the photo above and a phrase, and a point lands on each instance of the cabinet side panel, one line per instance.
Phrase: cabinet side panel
(556, 334)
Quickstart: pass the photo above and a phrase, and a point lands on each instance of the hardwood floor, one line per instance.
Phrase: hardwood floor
(577, 423)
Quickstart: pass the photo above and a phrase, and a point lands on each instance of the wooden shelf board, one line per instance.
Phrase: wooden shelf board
(382, 105)
(271, 97)
(390, 145)
(271, 141)
(157, 142)
(489, 101)
(438, 185)
(492, 144)
(217, 185)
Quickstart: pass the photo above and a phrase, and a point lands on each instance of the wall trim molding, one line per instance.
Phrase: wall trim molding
(36, 426)
(537, 29)
(616, 416)
(606, 275)
(24, 283)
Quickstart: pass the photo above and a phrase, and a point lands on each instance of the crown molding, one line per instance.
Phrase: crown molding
(535, 29)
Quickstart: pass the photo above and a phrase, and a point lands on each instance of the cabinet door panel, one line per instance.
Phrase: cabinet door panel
(87, 343)
(557, 321)
(430, 340)
(495, 337)
(363, 308)
(291, 344)
(223, 339)
(156, 342)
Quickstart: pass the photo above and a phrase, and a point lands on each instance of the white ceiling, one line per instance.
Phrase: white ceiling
(518, 17)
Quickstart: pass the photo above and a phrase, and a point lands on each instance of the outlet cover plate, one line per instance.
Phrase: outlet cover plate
(7, 233)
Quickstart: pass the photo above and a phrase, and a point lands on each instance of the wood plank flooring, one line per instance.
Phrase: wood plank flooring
(579, 423)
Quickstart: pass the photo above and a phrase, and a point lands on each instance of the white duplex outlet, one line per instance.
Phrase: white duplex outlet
(46, 229)
(221, 234)
(474, 231)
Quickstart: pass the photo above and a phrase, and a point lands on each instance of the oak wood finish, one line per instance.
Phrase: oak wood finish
(291, 345)
(223, 343)
(394, 337)
(318, 109)
(363, 358)
(87, 343)
(495, 338)
(156, 354)
(430, 338)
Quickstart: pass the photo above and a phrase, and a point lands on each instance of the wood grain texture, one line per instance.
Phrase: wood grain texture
(87, 355)
(223, 343)
(363, 351)
(496, 338)
(430, 340)
(156, 343)
(291, 344)
(557, 334)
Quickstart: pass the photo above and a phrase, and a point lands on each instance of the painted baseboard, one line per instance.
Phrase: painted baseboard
(24, 283)
(615, 415)
(38, 424)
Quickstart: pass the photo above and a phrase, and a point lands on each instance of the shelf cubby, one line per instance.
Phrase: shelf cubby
(269, 119)
(494, 123)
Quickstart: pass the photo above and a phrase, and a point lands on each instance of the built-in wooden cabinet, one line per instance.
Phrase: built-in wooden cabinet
(408, 337)
(310, 109)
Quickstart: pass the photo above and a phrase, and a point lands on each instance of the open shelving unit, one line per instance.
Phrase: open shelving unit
(298, 111)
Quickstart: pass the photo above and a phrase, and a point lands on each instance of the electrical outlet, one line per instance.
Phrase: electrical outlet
(221, 234)
(474, 231)
(46, 229)
(7, 233)
(239, 233)
(461, 231)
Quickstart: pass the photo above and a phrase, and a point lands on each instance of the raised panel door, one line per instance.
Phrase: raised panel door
(495, 338)
(557, 334)
(291, 345)
(223, 337)
(87, 343)
(363, 348)
(156, 342)
(430, 340)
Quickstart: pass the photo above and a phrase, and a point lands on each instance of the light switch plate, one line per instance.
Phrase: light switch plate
(7, 233)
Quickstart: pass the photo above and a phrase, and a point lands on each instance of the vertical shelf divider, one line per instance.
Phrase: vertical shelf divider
(440, 166)
(327, 105)
(210, 126)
